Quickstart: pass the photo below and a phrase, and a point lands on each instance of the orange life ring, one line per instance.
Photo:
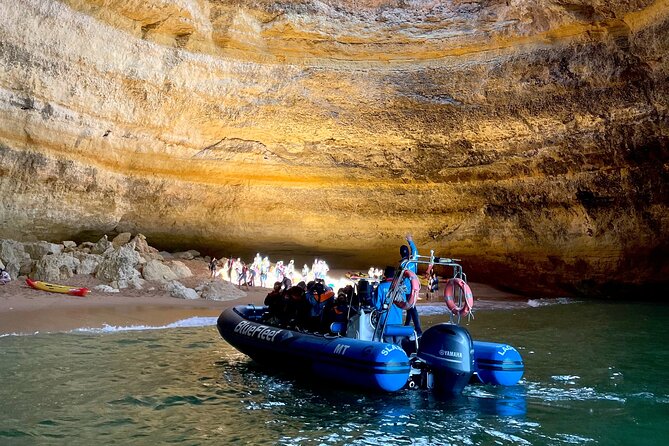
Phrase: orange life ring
(449, 296)
(415, 288)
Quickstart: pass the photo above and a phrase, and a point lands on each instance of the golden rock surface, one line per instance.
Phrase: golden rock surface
(529, 138)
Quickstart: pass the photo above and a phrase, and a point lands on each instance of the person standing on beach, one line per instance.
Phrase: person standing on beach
(212, 268)
(432, 284)
(264, 271)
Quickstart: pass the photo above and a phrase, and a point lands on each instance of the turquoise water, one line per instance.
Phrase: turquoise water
(595, 374)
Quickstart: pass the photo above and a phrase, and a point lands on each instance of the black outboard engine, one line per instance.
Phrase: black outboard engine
(448, 351)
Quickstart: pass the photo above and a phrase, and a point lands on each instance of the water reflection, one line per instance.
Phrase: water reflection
(321, 413)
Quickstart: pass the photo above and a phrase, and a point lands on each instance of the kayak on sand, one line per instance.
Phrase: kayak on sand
(53, 288)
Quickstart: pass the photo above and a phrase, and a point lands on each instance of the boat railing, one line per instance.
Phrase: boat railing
(398, 289)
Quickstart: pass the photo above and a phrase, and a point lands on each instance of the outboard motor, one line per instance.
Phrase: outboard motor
(448, 351)
(365, 293)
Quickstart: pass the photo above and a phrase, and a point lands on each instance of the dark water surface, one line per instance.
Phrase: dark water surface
(595, 374)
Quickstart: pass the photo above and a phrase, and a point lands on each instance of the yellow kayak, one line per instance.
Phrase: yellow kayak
(53, 288)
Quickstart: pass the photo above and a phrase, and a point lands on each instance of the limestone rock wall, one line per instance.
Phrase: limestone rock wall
(529, 138)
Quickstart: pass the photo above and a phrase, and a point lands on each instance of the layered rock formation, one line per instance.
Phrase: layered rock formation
(529, 138)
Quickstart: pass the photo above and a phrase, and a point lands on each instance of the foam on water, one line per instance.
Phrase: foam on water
(539, 391)
(569, 379)
(3, 335)
(485, 304)
(430, 310)
(543, 302)
(196, 321)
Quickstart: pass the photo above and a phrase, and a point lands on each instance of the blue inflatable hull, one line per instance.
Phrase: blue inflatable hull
(369, 365)
(497, 364)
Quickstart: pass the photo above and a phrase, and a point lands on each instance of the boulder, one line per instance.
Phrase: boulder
(102, 246)
(187, 255)
(157, 271)
(179, 269)
(136, 283)
(26, 268)
(56, 267)
(16, 260)
(69, 245)
(106, 289)
(166, 255)
(221, 290)
(148, 256)
(141, 245)
(37, 250)
(118, 265)
(88, 263)
(177, 289)
(121, 239)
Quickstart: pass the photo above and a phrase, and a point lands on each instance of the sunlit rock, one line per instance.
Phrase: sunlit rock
(156, 271)
(37, 250)
(527, 138)
(88, 263)
(177, 289)
(121, 239)
(56, 267)
(179, 269)
(221, 290)
(118, 267)
(15, 258)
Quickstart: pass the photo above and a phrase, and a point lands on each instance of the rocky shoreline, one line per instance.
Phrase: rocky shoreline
(125, 262)
(133, 284)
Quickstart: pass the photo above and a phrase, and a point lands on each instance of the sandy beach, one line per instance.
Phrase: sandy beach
(24, 310)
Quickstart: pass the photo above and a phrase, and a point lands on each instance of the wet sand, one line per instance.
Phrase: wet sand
(24, 310)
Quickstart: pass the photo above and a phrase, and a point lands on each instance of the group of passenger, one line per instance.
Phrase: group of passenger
(307, 306)
(261, 272)
(313, 306)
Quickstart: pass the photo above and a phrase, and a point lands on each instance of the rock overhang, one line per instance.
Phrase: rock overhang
(528, 139)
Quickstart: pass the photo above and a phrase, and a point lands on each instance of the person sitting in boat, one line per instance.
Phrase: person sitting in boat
(276, 306)
(365, 293)
(337, 310)
(317, 295)
(298, 310)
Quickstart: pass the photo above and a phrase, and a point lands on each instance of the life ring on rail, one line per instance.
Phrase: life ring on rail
(415, 289)
(449, 296)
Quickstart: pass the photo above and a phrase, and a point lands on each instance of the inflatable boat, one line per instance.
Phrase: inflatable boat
(366, 353)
